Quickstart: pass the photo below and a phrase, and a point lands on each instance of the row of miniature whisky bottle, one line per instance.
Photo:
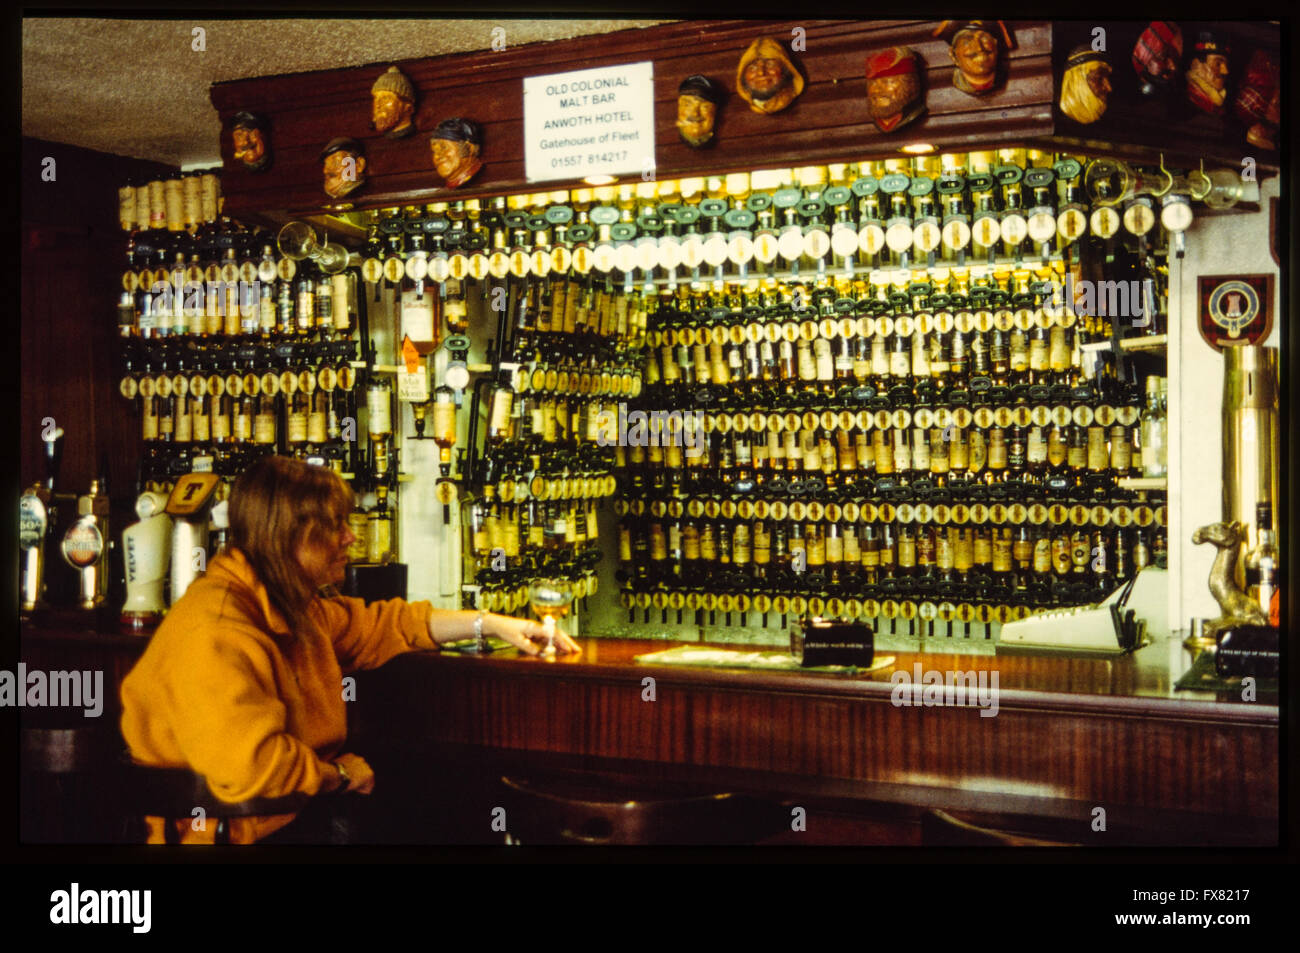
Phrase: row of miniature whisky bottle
(551, 419)
(507, 591)
(573, 306)
(520, 473)
(906, 215)
(294, 425)
(956, 359)
(1028, 455)
(511, 532)
(262, 304)
(1134, 293)
(723, 553)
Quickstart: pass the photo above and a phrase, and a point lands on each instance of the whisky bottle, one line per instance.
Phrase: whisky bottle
(379, 528)
(1262, 561)
(228, 291)
(323, 305)
(379, 425)
(304, 301)
(1102, 561)
(1155, 452)
(285, 302)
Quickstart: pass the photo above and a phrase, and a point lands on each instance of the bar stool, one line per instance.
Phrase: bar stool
(174, 793)
(592, 811)
(65, 769)
(941, 829)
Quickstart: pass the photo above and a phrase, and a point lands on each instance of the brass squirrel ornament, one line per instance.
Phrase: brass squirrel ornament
(1237, 607)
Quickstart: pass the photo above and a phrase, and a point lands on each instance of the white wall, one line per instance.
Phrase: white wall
(1216, 245)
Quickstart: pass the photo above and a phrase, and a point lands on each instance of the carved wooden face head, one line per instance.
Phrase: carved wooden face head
(250, 147)
(344, 171)
(975, 52)
(764, 77)
(695, 117)
(455, 161)
(391, 113)
(889, 96)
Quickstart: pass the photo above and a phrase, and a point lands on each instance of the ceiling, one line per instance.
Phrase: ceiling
(139, 88)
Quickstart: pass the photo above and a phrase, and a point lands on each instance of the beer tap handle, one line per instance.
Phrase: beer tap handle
(53, 457)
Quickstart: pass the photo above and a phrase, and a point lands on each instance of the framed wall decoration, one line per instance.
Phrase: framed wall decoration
(1235, 309)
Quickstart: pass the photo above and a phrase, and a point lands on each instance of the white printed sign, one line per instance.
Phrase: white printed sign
(413, 387)
(590, 122)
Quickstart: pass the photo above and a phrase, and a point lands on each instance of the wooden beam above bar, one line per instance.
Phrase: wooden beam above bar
(828, 123)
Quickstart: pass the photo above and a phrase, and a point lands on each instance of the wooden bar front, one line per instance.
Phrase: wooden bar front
(1069, 736)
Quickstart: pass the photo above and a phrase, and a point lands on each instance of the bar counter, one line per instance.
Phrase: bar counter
(1070, 735)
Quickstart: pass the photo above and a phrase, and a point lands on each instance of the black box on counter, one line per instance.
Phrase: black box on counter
(837, 642)
(1247, 650)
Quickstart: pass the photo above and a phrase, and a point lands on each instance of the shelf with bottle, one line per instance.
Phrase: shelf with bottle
(1011, 206)
(701, 608)
(227, 284)
(1062, 555)
(512, 544)
(175, 202)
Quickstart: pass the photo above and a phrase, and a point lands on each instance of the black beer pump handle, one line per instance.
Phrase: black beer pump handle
(53, 457)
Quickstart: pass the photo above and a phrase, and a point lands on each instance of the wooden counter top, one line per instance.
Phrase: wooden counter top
(1136, 684)
(1070, 734)
(1108, 733)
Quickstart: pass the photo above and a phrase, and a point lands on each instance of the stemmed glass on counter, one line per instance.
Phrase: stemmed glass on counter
(550, 600)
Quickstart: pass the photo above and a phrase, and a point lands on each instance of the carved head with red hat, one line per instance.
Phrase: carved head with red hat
(1259, 100)
(894, 87)
(1156, 56)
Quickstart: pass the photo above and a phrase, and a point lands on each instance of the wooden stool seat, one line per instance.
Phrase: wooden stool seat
(592, 811)
(67, 767)
(941, 829)
(174, 793)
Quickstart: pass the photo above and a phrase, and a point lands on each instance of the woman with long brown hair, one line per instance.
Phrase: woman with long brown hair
(242, 683)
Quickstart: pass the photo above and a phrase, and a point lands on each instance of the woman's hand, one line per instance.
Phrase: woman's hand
(361, 774)
(527, 635)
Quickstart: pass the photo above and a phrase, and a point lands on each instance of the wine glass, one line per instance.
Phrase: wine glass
(1107, 181)
(331, 257)
(296, 240)
(550, 599)
(1225, 191)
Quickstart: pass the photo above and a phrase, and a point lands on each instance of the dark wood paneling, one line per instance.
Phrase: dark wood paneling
(1159, 760)
(829, 122)
(72, 259)
(1166, 124)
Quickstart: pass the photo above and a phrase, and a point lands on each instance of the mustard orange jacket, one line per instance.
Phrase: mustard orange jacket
(224, 690)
